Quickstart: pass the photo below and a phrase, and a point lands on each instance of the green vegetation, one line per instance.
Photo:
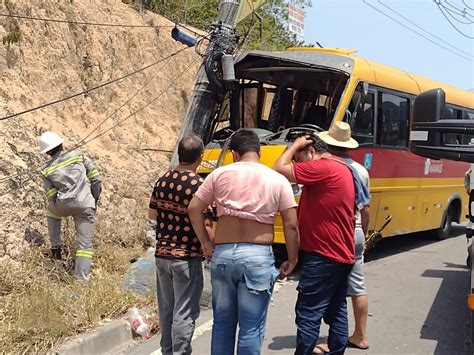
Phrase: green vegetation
(268, 33)
(12, 37)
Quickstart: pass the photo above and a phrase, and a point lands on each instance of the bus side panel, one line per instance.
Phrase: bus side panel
(401, 205)
(374, 211)
(415, 191)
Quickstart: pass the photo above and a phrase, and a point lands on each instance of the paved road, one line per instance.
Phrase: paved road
(417, 289)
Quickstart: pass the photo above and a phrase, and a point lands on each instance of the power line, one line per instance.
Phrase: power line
(154, 99)
(458, 11)
(32, 18)
(123, 25)
(470, 8)
(109, 82)
(451, 23)
(129, 99)
(452, 14)
(424, 30)
(416, 32)
(84, 141)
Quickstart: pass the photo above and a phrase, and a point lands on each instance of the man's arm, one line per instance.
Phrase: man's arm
(292, 240)
(195, 212)
(365, 217)
(49, 190)
(283, 164)
(94, 178)
(152, 214)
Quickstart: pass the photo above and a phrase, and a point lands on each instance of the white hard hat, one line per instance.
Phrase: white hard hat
(49, 140)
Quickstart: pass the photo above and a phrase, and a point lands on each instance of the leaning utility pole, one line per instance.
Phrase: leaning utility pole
(222, 40)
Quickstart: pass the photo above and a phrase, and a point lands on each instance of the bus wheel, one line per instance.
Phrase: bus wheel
(445, 230)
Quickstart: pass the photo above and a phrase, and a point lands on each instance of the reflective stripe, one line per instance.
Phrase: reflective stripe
(51, 192)
(51, 215)
(85, 253)
(52, 169)
(92, 174)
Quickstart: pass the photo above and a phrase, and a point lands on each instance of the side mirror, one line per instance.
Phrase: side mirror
(428, 108)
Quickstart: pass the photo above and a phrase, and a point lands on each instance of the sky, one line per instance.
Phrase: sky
(353, 24)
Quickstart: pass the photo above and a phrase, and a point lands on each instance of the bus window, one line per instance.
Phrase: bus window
(393, 120)
(468, 115)
(362, 123)
(452, 113)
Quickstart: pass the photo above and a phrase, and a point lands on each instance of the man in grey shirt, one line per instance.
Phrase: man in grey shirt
(72, 186)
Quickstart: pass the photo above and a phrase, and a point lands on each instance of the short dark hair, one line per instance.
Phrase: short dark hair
(338, 150)
(245, 141)
(55, 150)
(190, 148)
(318, 144)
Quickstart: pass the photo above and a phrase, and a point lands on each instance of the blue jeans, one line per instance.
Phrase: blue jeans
(242, 278)
(322, 292)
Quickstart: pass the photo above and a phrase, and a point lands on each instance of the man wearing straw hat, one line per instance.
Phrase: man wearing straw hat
(339, 142)
(326, 215)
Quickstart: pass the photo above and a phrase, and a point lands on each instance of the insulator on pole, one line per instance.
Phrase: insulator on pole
(228, 72)
(183, 37)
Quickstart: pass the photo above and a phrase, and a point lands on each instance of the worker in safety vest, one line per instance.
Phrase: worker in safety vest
(72, 186)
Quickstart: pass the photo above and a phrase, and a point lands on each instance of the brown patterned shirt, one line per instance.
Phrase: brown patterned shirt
(175, 236)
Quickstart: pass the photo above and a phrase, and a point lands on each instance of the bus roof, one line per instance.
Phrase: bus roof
(395, 79)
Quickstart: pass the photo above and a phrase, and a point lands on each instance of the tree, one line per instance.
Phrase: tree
(265, 30)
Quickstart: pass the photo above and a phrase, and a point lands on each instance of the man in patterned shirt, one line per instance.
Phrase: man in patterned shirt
(178, 251)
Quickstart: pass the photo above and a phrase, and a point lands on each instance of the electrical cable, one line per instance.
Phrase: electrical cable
(458, 11)
(172, 83)
(84, 140)
(470, 8)
(33, 18)
(418, 33)
(424, 30)
(454, 13)
(129, 99)
(452, 24)
(106, 83)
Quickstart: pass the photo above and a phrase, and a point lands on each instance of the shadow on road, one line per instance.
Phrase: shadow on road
(283, 342)
(289, 342)
(398, 244)
(447, 320)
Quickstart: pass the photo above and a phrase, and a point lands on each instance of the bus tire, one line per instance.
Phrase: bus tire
(445, 230)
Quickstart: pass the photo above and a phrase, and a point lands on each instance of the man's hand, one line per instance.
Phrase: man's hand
(301, 142)
(208, 249)
(286, 268)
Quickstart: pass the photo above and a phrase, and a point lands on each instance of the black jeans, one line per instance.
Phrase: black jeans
(322, 292)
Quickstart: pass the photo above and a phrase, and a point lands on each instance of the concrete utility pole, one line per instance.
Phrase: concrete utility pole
(205, 97)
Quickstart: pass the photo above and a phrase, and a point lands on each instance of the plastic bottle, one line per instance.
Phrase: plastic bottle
(138, 323)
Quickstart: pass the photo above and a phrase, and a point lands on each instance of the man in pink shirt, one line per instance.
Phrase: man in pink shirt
(247, 196)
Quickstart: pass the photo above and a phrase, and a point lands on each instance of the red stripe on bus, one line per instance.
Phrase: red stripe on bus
(389, 163)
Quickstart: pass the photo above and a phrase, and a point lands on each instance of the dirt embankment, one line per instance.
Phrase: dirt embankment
(53, 60)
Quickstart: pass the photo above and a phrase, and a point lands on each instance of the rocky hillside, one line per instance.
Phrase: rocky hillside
(53, 60)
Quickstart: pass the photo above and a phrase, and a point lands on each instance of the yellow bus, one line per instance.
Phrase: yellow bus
(281, 94)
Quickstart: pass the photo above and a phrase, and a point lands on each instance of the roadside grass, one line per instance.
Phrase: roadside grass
(41, 305)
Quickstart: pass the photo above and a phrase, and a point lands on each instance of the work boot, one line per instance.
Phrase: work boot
(56, 253)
